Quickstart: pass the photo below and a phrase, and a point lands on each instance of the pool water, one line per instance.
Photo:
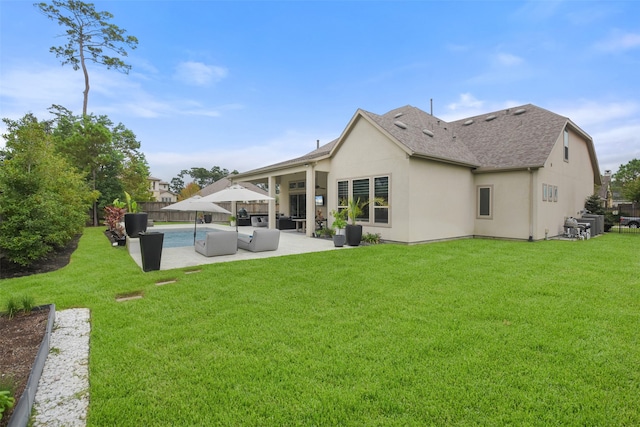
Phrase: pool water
(183, 237)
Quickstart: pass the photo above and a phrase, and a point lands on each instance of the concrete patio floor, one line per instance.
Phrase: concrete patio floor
(291, 243)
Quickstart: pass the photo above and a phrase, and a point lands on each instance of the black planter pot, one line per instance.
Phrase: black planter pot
(208, 218)
(354, 234)
(339, 240)
(135, 223)
(151, 250)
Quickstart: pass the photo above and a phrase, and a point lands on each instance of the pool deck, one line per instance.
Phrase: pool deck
(291, 242)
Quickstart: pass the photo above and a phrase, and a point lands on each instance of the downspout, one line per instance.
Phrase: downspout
(531, 201)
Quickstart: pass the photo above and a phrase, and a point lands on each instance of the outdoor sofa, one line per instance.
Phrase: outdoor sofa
(261, 240)
(259, 221)
(218, 243)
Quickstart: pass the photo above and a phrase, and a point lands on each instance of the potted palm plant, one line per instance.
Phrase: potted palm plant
(135, 222)
(355, 208)
(353, 231)
(339, 223)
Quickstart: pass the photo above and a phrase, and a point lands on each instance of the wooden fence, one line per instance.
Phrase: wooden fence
(155, 212)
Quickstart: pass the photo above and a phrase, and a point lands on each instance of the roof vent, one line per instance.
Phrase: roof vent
(520, 111)
(427, 132)
(489, 118)
(398, 115)
(468, 122)
(400, 124)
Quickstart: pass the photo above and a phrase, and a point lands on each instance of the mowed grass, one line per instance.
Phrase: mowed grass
(468, 332)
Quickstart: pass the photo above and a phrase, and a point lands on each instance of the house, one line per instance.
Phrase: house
(160, 190)
(605, 191)
(512, 174)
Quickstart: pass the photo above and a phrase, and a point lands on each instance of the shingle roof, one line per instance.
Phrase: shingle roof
(424, 134)
(516, 137)
(513, 138)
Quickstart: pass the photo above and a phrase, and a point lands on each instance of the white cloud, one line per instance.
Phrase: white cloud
(596, 113)
(290, 144)
(614, 127)
(618, 42)
(199, 74)
(465, 101)
(508, 60)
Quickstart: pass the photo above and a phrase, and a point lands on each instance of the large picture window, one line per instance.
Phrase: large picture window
(366, 189)
(485, 202)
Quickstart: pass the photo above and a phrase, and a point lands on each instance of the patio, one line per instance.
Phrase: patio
(291, 243)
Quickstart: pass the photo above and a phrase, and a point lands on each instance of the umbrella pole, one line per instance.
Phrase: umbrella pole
(195, 224)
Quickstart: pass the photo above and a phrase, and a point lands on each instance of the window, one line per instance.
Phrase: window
(485, 202)
(366, 189)
(544, 192)
(381, 192)
(566, 145)
(297, 205)
(361, 195)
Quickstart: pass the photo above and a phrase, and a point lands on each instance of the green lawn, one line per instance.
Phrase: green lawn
(469, 332)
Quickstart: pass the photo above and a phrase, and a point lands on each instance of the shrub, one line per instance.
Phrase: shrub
(43, 202)
(371, 238)
(6, 401)
(13, 307)
(28, 302)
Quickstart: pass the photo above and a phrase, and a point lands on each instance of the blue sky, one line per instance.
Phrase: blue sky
(242, 84)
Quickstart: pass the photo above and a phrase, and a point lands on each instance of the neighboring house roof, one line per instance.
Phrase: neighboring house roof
(605, 189)
(223, 183)
(514, 138)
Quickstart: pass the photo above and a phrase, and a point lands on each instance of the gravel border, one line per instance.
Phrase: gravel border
(62, 398)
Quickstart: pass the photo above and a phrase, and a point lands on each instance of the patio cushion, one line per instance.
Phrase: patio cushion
(218, 243)
(259, 221)
(262, 240)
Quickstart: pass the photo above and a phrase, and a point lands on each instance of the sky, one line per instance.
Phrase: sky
(245, 84)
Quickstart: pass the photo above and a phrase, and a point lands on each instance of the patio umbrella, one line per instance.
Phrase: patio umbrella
(235, 193)
(195, 204)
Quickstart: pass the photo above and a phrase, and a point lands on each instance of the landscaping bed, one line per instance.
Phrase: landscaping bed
(20, 339)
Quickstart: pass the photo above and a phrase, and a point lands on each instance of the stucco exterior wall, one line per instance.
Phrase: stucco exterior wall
(511, 207)
(574, 182)
(367, 152)
(440, 200)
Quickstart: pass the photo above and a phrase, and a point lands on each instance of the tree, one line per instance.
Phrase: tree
(628, 178)
(107, 155)
(189, 191)
(43, 202)
(89, 36)
(631, 191)
(628, 173)
(594, 205)
(201, 176)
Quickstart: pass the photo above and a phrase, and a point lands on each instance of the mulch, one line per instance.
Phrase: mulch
(20, 337)
(20, 340)
(52, 262)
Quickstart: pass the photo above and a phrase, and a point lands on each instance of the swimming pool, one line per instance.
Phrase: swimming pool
(178, 238)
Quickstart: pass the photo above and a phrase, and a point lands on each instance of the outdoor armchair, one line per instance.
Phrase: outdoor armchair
(218, 243)
(262, 240)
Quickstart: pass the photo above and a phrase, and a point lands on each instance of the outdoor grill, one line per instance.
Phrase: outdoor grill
(576, 230)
